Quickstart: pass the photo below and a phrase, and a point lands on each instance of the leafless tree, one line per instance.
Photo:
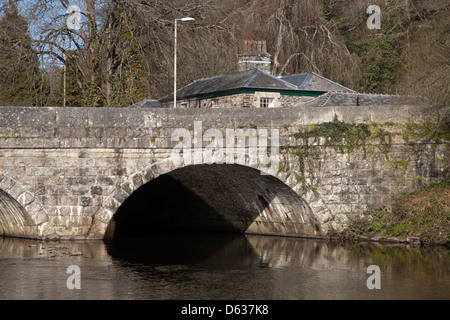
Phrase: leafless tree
(300, 39)
(124, 48)
(122, 51)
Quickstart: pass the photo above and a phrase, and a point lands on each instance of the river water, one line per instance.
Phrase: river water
(220, 266)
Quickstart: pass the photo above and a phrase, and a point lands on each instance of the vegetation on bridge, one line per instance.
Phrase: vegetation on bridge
(345, 137)
(424, 214)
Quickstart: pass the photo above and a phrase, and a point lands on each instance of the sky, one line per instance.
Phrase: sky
(49, 16)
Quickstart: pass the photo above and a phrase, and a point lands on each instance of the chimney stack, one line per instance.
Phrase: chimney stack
(255, 56)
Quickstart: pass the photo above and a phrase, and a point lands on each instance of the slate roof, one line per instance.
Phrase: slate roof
(359, 99)
(314, 82)
(299, 80)
(249, 79)
(146, 103)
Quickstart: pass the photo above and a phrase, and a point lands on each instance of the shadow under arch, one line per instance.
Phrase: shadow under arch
(175, 249)
(226, 198)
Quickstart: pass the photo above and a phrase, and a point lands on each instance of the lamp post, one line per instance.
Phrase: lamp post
(175, 60)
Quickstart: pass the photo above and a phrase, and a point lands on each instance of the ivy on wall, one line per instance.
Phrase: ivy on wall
(346, 138)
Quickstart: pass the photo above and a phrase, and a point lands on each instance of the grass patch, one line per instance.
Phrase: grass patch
(424, 214)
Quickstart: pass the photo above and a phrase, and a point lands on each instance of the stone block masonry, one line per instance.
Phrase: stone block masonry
(70, 169)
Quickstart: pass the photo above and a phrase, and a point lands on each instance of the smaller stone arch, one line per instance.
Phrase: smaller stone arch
(21, 212)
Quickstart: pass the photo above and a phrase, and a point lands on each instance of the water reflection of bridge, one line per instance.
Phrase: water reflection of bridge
(219, 267)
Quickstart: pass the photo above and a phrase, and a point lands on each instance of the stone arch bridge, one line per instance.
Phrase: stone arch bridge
(85, 173)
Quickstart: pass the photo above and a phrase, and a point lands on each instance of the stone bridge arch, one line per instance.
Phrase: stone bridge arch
(21, 212)
(81, 164)
(271, 206)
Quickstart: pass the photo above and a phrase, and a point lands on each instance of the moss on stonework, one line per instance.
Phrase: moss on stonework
(399, 165)
(346, 137)
(433, 133)
(369, 138)
(342, 137)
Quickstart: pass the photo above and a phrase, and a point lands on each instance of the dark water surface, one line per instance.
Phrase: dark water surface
(220, 267)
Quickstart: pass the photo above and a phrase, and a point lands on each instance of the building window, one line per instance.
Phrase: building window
(266, 102)
(214, 103)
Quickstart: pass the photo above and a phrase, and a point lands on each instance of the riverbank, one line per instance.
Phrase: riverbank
(420, 218)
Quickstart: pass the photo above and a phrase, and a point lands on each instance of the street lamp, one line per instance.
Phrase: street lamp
(175, 60)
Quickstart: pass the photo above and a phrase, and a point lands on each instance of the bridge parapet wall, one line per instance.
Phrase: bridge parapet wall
(27, 127)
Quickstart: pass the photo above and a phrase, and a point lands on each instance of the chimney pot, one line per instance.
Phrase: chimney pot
(255, 56)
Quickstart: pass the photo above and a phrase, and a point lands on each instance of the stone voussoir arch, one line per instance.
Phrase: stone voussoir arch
(29, 202)
(138, 179)
(133, 182)
(122, 191)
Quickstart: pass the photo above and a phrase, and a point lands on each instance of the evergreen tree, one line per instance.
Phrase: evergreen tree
(21, 82)
(129, 81)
